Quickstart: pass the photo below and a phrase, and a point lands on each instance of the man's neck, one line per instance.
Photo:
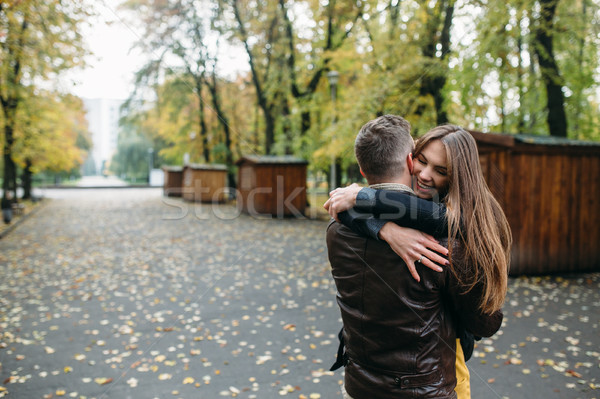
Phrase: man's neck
(398, 184)
(404, 180)
(392, 187)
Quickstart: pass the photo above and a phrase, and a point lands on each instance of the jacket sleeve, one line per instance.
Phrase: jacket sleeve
(363, 223)
(374, 208)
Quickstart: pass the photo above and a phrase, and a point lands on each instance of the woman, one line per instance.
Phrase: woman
(446, 169)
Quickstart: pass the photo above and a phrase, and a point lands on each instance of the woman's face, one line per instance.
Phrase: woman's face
(430, 172)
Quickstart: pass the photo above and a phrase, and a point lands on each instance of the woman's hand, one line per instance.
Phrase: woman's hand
(341, 199)
(414, 247)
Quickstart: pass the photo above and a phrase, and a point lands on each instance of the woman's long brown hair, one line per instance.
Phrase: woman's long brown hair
(475, 218)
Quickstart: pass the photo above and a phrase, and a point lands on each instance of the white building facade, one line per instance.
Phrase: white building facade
(103, 120)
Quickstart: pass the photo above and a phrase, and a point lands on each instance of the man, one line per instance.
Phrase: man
(399, 334)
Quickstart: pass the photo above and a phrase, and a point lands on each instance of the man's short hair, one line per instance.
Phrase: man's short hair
(382, 145)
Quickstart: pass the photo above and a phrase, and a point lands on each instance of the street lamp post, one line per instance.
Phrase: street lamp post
(333, 77)
(150, 164)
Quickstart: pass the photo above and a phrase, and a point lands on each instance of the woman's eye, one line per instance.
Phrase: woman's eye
(442, 172)
(422, 162)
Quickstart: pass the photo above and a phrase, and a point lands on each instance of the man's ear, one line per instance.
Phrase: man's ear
(410, 163)
(362, 173)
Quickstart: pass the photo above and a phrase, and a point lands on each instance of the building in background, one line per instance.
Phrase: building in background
(103, 119)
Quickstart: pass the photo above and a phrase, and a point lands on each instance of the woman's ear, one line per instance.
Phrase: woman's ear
(410, 163)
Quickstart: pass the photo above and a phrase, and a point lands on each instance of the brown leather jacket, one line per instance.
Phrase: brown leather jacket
(400, 335)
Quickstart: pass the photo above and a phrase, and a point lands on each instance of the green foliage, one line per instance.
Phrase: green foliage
(496, 76)
(473, 63)
(38, 41)
(52, 132)
(131, 161)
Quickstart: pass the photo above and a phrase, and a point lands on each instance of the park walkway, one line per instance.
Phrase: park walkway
(121, 293)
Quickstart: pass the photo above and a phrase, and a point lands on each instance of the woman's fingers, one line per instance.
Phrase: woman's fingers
(434, 257)
(413, 270)
(333, 213)
(434, 245)
(433, 266)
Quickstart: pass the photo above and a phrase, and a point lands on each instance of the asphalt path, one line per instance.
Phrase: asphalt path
(123, 293)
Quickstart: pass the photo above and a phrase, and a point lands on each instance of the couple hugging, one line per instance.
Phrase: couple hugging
(420, 260)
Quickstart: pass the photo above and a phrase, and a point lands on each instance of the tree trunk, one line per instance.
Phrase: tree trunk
(305, 122)
(330, 45)
(353, 173)
(269, 130)
(261, 96)
(338, 172)
(27, 179)
(202, 123)
(432, 85)
(287, 128)
(520, 76)
(212, 87)
(9, 183)
(578, 95)
(556, 118)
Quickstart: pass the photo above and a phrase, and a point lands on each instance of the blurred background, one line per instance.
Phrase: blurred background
(121, 88)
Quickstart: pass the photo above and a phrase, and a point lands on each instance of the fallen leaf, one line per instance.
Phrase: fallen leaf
(102, 380)
(573, 373)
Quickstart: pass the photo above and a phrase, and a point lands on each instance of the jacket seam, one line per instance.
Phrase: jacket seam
(362, 299)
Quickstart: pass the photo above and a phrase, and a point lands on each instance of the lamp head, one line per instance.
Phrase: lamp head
(333, 77)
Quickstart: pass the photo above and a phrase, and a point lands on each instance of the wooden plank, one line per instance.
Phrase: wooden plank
(543, 213)
(279, 182)
(484, 162)
(553, 187)
(553, 207)
(555, 149)
(188, 193)
(594, 261)
(571, 194)
(532, 215)
(173, 183)
(584, 213)
(496, 177)
(519, 211)
(533, 189)
(510, 206)
(206, 185)
(589, 243)
(511, 210)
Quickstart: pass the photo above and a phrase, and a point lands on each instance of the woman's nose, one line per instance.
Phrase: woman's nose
(425, 174)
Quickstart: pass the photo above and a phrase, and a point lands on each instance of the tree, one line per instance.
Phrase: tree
(38, 40)
(52, 135)
(501, 74)
(131, 159)
(186, 39)
(556, 117)
(262, 38)
(340, 21)
(435, 47)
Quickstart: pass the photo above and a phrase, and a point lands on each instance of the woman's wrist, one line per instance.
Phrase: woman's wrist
(365, 198)
(385, 231)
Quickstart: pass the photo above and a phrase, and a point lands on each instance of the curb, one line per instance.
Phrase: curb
(93, 187)
(23, 218)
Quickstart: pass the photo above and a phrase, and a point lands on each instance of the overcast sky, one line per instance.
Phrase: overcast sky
(111, 66)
